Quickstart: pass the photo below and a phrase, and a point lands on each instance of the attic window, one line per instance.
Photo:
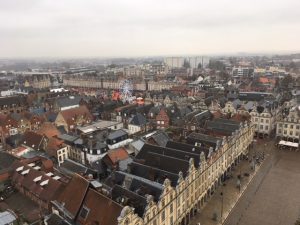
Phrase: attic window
(49, 174)
(84, 212)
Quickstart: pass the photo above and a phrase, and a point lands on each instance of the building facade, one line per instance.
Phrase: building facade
(179, 202)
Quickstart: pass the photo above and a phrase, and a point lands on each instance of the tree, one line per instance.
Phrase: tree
(186, 64)
(216, 65)
(286, 81)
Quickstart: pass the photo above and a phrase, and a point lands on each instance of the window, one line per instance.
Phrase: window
(171, 220)
(291, 126)
(171, 208)
(297, 127)
(279, 131)
(162, 122)
(267, 121)
(158, 122)
(261, 127)
(84, 212)
(261, 120)
(284, 132)
(285, 125)
(256, 119)
(267, 127)
(280, 124)
(291, 133)
(163, 215)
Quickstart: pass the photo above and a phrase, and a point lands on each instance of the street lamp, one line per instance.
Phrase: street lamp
(222, 196)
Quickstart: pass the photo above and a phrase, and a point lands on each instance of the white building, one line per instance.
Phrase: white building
(264, 123)
(288, 128)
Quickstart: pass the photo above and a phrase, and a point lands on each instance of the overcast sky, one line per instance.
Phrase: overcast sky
(113, 28)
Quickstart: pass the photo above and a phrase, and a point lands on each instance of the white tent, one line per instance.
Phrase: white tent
(288, 143)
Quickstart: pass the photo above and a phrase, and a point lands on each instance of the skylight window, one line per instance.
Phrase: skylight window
(45, 182)
(37, 179)
(20, 168)
(25, 172)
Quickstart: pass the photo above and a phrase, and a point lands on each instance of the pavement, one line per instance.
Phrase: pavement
(231, 193)
(273, 197)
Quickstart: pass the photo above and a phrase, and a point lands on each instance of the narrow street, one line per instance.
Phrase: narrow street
(221, 205)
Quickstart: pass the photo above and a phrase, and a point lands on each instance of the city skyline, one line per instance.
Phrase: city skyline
(148, 28)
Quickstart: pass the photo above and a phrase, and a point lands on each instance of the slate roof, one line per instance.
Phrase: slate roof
(71, 167)
(138, 120)
(206, 140)
(18, 100)
(116, 134)
(129, 198)
(67, 138)
(7, 217)
(188, 148)
(6, 160)
(160, 138)
(138, 144)
(66, 101)
(139, 185)
(149, 156)
(152, 173)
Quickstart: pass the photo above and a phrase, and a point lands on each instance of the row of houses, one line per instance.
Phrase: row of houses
(164, 184)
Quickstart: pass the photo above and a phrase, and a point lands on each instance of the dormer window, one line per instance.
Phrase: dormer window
(84, 212)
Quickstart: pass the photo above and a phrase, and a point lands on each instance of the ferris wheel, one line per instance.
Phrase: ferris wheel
(126, 89)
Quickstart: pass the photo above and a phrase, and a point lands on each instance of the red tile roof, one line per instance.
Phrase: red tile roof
(74, 193)
(46, 192)
(70, 115)
(49, 130)
(53, 146)
(103, 210)
(33, 140)
(116, 155)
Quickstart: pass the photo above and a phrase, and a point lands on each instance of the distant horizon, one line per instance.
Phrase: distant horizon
(236, 54)
(148, 28)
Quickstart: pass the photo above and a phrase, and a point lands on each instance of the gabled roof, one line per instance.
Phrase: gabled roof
(6, 160)
(160, 138)
(116, 134)
(102, 210)
(116, 155)
(33, 140)
(138, 120)
(18, 100)
(49, 130)
(38, 182)
(70, 114)
(53, 146)
(66, 101)
(73, 195)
